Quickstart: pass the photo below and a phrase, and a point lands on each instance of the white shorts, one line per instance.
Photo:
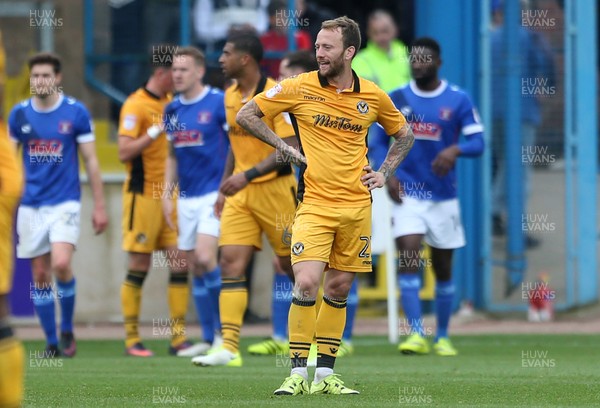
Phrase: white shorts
(40, 227)
(196, 216)
(439, 221)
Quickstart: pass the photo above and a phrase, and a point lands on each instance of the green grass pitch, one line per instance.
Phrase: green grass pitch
(490, 371)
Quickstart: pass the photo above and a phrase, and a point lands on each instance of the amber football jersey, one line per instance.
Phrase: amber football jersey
(11, 170)
(248, 150)
(141, 110)
(332, 129)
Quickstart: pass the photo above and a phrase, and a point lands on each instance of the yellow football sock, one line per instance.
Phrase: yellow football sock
(11, 370)
(329, 329)
(131, 302)
(301, 326)
(232, 303)
(178, 294)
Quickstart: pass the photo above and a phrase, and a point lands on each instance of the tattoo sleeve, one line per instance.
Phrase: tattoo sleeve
(402, 144)
(249, 117)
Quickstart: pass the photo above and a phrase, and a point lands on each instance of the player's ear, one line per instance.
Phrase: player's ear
(350, 51)
(201, 70)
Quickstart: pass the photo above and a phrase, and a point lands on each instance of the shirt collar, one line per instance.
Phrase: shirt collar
(324, 83)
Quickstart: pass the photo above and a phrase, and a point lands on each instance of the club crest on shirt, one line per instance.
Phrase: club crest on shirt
(204, 117)
(298, 248)
(65, 127)
(445, 113)
(362, 107)
(406, 110)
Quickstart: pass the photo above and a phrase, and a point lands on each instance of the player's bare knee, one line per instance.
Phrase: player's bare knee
(139, 262)
(61, 266)
(337, 290)
(305, 286)
(205, 262)
(40, 275)
(231, 267)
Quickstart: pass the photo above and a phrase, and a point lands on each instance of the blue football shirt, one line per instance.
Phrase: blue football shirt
(197, 130)
(49, 139)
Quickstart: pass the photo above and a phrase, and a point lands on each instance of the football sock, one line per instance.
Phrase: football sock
(11, 369)
(301, 323)
(329, 329)
(303, 371)
(178, 294)
(204, 308)
(410, 284)
(213, 283)
(444, 296)
(322, 372)
(66, 299)
(131, 300)
(232, 304)
(351, 308)
(280, 306)
(43, 303)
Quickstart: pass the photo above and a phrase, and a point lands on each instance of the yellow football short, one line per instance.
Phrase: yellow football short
(8, 206)
(340, 237)
(144, 226)
(261, 207)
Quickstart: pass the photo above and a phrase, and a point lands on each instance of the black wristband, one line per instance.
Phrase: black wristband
(251, 174)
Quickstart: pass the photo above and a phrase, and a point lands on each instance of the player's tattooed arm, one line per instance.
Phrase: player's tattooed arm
(403, 141)
(249, 118)
(277, 158)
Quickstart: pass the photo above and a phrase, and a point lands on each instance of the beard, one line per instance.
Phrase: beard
(335, 68)
(424, 80)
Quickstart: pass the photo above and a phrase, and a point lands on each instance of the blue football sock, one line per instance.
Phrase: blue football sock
(213, 284)
(444, 296)
(66, 297)
(280, 306)
(351, 307)
(203, 308)
(411, 304)
(43, 302)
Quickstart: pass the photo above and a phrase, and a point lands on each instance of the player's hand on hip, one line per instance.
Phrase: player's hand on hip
(395, 190)
(445, 160)
(167, 205)
(373, 179)
(234, 184)
(99, 220)
(219, 204)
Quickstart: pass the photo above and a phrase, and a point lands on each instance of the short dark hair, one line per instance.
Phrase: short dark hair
(304, 59)
(46, 58)
(350, 31)
(247, 42)
(427, 42)
(275, 6)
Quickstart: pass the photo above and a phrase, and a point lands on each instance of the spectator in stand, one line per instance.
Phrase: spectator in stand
(313, 15)
(213, 20)
(385, 59)
(281, 20)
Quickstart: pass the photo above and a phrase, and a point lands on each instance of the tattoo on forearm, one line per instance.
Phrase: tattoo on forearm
(249, 118)
(403, 142)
